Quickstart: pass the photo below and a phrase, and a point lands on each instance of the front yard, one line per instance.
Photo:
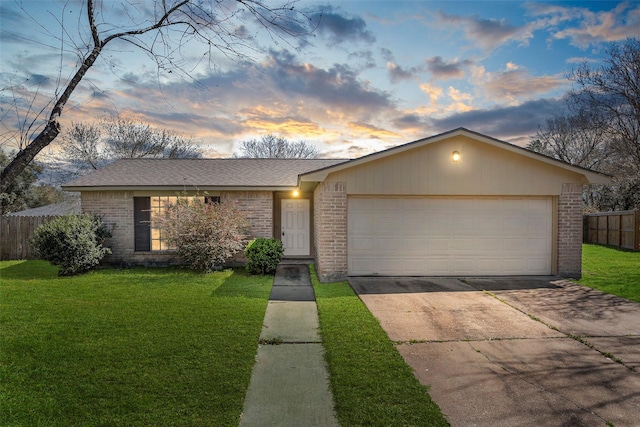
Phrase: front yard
(162, 347)
(126, 347)
(168, 347)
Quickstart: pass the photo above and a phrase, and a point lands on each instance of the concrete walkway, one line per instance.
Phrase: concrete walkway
(289, 383)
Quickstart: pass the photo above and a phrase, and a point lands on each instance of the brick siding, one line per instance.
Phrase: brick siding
(330, 238)
(116, 210)
(570, 231)
(258, 206)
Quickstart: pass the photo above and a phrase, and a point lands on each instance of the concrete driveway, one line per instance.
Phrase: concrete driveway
(515, 351)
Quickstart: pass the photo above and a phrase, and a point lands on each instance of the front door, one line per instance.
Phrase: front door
(295, 227)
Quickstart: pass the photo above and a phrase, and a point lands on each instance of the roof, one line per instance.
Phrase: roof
(203, 174)
(63, 208)
(591, 177)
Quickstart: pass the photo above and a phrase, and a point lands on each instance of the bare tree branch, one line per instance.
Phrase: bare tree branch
(209, 22)
(273, 147)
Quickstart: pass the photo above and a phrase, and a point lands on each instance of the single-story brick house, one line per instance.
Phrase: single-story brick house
(459, 204)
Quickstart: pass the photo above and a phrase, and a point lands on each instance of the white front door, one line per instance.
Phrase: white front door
(295, 226)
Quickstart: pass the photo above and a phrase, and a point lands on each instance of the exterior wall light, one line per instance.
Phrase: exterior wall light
(455, 156)
(296, 193)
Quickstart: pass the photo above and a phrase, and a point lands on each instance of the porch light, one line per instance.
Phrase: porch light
(455, 156)
(296, 193)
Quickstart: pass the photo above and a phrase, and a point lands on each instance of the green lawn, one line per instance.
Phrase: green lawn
(138, 347)
(611, 270)
(371, 383)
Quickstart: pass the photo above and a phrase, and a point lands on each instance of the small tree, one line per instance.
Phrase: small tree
(273, 147)
(205, 235)
(72, 242)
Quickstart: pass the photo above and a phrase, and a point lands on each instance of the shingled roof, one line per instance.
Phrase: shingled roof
(204, 174)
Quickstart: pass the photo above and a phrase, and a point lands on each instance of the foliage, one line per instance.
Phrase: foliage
(371, 383)
(204, 234)
(610, 270)
(72, 242)
(600, 128)
(127, 347)
(89, 146)
(273, 147)
(264, 255)
(575, 139)
(611, 92)
(22, 193)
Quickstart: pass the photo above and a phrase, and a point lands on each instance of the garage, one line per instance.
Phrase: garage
(455, 204)
(443, 236)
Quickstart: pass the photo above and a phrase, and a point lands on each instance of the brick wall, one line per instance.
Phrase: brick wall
(330, 239)
(116, 210)
(570, 231)
(258, 206)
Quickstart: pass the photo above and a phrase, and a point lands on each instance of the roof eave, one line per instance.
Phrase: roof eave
(179, 188)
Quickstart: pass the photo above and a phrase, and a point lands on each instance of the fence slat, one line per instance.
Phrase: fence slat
(15, 232)
(620, 229)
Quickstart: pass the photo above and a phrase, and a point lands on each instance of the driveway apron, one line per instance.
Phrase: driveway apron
(515, 351)
(289, 384)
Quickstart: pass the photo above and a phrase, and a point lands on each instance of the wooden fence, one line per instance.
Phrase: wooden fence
(621, 229)
(15, 232)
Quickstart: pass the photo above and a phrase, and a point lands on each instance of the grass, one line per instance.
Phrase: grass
(371, 383)
(611, 270)
(131, 347)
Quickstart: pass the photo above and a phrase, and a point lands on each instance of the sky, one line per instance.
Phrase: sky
(371, 75)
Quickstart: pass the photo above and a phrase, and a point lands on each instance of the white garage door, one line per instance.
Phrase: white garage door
(439, 236)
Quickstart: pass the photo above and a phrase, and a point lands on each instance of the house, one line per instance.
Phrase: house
(455, 204)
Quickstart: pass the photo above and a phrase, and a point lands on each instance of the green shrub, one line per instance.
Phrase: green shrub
(264, 255)
(72, 242)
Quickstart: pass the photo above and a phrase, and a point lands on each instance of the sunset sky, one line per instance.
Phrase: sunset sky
(373, 74)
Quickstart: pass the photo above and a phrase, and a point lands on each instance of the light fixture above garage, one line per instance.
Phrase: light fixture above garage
(455, 156)
(296, 193)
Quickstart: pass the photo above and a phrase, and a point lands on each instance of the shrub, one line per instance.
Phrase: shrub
(264, 255)
(205, 235)
(72, 242)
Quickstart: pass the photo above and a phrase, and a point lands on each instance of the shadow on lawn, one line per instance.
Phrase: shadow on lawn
(240, 284)
(24, 270)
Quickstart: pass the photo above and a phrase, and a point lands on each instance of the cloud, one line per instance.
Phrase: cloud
(487, 33)
(338, 86)
(433, 92)
(589, 27)
(284, 126)
(282, 95)
(340, 27)
(515, 84)
(398, 74)
(440, 69)
(514, 123)
(461, 101)
(362, 59)
(365, 130)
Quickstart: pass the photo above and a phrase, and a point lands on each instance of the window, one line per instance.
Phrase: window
(148, 234)
(158, 236)
(212, 200)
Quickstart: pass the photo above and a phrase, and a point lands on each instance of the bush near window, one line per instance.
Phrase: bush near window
(205, 235)
(264, 255)
(72, 242)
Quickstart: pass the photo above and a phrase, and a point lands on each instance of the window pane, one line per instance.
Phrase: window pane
(158, 207)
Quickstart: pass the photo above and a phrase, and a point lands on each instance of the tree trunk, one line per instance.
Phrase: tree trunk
(24, 157)
(51, 130)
